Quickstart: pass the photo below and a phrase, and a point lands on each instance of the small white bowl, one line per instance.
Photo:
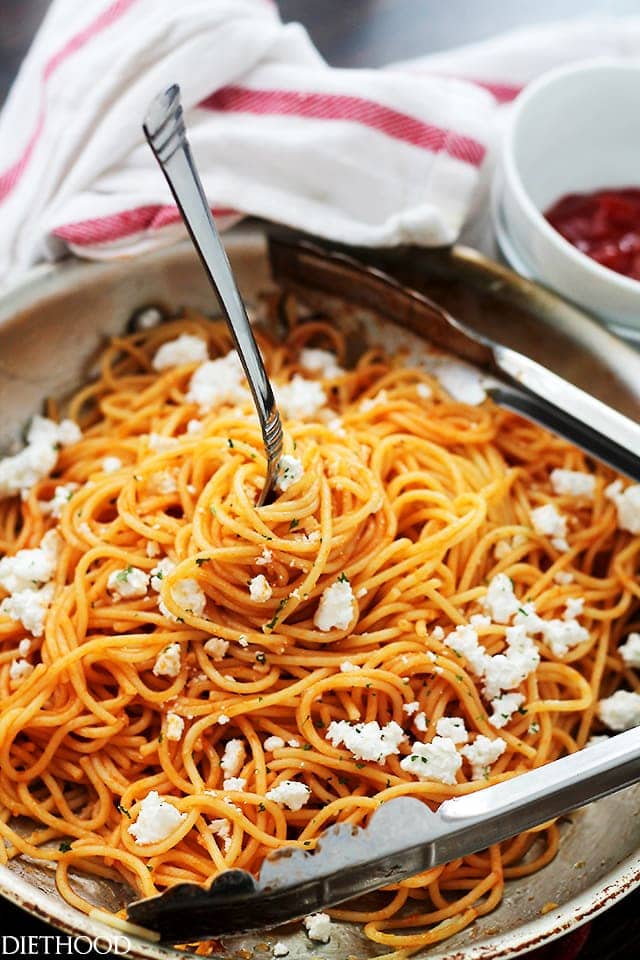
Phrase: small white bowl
(575, 130)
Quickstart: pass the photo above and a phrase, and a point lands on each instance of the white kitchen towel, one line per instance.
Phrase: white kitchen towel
(374, 157)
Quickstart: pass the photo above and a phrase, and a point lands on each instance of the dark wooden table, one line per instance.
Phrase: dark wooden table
(353, 33)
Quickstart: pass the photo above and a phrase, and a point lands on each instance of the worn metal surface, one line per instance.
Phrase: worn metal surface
(50, 332)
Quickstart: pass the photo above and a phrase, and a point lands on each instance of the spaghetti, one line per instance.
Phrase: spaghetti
(182, 620)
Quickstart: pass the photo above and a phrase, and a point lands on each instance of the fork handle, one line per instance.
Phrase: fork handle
(165, 131)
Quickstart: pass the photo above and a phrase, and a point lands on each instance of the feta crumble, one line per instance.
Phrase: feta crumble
(347, 667)
(504, 707)
(156, 820)
(420, 722)
(464, 641)
(366, 741)
(300, 398)
(234, 783)
(290, 470)
(500, 600)
(549, 523)
(438, 760)
(30, 567)
(38, 458)
(482, 753)
(111, 464)
(260, 589)
(621, 711)
(574, 483)
(61, 496)
(194, 426)
(320, 361)
(159, 443)
(627, 504)
(289, 793)
(265, 557)
(223, 719)
(186, 348)
(217, 382)
(175, 726)
(160, 571)
(128, 582)
(19, 670)
(189, 595)
(318, 927)
(273, 743)
(168, 661)
(336, 607)
(630, 651)
(508, 670)
(233, 758)
(216, 647)
(29, 607)
(411, 708)
(24, 647)
(453, 728)
(563, 577)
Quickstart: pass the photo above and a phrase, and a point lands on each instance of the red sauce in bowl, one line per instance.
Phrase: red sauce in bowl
(605, 225)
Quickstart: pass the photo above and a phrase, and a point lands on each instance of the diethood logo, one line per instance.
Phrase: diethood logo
(59, 945)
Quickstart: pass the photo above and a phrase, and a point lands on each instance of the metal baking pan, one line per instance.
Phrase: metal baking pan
(51, 327)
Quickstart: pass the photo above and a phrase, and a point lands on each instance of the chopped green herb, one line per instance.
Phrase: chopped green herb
(123, 575)
(523, 711)
(261, 807)
(64, 847)
(294, 523)
(307, 746)
(122, 809)
(212, 510)
(523, 611)
(360, 765)
(343, 578)
(160, 737)
(201, 560)
(261, 658)
(230, 442)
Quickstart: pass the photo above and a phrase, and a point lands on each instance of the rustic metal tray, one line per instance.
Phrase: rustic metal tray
(51, 327)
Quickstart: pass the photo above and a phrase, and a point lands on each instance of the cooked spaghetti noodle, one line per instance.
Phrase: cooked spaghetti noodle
(414, 503)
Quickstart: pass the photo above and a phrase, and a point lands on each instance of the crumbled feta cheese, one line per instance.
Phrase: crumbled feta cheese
(280, 949)
(168, 661)
(175, 726)
(366, 741)
(335, 608)
(627, 504)
(234, 783)
(482, 753)
(163, 482)
(21, 471)
(293, 743)
(223, 719)
(420, 722)
(461, 381)
(242, 640)
(289, 793)
(24, 647)
(194, 426)
(186, 348)
(547, 521)
(152, 548)
(574, 483)
(563, 577)
(562, 635)
(265, 557)
(299, 398)
(290, 470)
(630, 651)
(574, 608)
(160, 571)
(111, 464)
(217, 382)
(336, 427)
(453, 728)
(128, 582)
(28, 568)
(464, 641)
(318, 927)
(29, 607)
(370, 402)
(216, 647)
(59, 500)
(156, 820)
(621, 711)
(320, 361)
(500, 600)
(160, 443)
(187, 593)
(504, 707)
(424, 391)
(508, 670)
(347, 667)
(233, 758)
(260, 589)
(437, 633)
(411, 708)
(438, 760)
(273, 743)
(19, 670)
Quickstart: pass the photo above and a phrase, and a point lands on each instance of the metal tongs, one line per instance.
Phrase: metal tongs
(403, 838)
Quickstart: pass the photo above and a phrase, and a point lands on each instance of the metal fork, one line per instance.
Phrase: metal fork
(165, 132)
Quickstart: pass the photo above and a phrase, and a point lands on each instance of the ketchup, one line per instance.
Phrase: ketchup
(605, 225)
